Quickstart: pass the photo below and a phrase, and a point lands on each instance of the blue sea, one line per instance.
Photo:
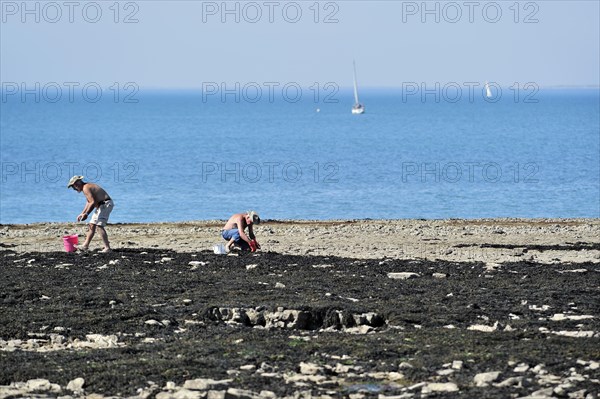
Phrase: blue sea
(178, 155)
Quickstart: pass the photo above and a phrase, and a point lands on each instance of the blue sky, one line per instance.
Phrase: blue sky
(183, 44)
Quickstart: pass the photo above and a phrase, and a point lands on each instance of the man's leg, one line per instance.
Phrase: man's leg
(243, 245)
(90, 235)
(104, 237)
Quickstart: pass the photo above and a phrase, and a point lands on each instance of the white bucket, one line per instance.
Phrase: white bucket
(219, 249)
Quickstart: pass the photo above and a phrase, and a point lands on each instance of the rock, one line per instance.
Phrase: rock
(309, 368)
(542, 393)
(483, 328)
(76, 385)
(439, 275)
(578, 394)
(521, 368)
(166, 259)
(561, 317)
(510, 382)
(203, 384)
(457, 364)
(248, 367)
(215, 395)
(252, 266)
(279, 285)
(180, 394)
(302, 378)
(236, 393)
(370, 319)
(197, 263)
(484, 379)
(402, 275)
(439, 387)
(38, 384)
(363, 329)
(102, 341)
(562, 389)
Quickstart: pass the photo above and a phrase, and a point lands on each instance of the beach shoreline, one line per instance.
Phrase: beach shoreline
(476, 240)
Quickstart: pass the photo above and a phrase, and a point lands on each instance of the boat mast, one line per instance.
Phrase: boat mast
(355, 85)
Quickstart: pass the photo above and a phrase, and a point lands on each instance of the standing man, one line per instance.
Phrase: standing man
(96, 198)
(234, 233)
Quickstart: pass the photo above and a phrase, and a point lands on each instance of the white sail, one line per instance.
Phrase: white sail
(357, 108)
(488, 92)
(355, 84)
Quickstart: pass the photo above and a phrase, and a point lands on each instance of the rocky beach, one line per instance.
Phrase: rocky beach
(495, 308)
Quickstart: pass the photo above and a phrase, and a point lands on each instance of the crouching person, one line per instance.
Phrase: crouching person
(97, 199)
(235, 235)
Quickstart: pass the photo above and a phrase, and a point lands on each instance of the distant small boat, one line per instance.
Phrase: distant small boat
(488, 92)
(357, 108)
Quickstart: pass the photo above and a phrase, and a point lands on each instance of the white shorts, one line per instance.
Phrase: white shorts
(101, 214)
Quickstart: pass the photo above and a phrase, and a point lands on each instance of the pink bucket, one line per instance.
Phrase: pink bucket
(70, 242)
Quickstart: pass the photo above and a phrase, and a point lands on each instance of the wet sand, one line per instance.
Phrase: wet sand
(359, 309)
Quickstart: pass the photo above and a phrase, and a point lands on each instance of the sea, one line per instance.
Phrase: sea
(182, 155)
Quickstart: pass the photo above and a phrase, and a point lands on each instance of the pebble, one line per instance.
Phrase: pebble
(483, 328)
(457, 364)
(402, 275)
(197, 263)
(439, 387)
(309, 368)
(521, 368)
(484, 379)
(76, 385)
(204, 383)
(509, 382)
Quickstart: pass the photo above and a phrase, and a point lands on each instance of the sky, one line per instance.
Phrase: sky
(189, 44)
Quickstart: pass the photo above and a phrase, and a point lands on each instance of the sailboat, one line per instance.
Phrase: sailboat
(357, 108)
(488, 92)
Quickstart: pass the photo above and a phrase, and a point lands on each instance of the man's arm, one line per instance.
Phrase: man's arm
(251, 233)
(241, 226)
(89, 206)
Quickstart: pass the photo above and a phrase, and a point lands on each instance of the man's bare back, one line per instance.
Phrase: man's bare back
(237, 221)
(94, 193)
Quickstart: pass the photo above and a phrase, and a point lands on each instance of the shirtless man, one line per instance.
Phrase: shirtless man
(234, 233)
(96, 198)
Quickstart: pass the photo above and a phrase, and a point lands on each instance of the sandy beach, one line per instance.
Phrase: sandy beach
(502, 308)
(483, 240)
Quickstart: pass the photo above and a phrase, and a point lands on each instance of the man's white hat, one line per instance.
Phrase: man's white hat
(254, 217)
(73, 180)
